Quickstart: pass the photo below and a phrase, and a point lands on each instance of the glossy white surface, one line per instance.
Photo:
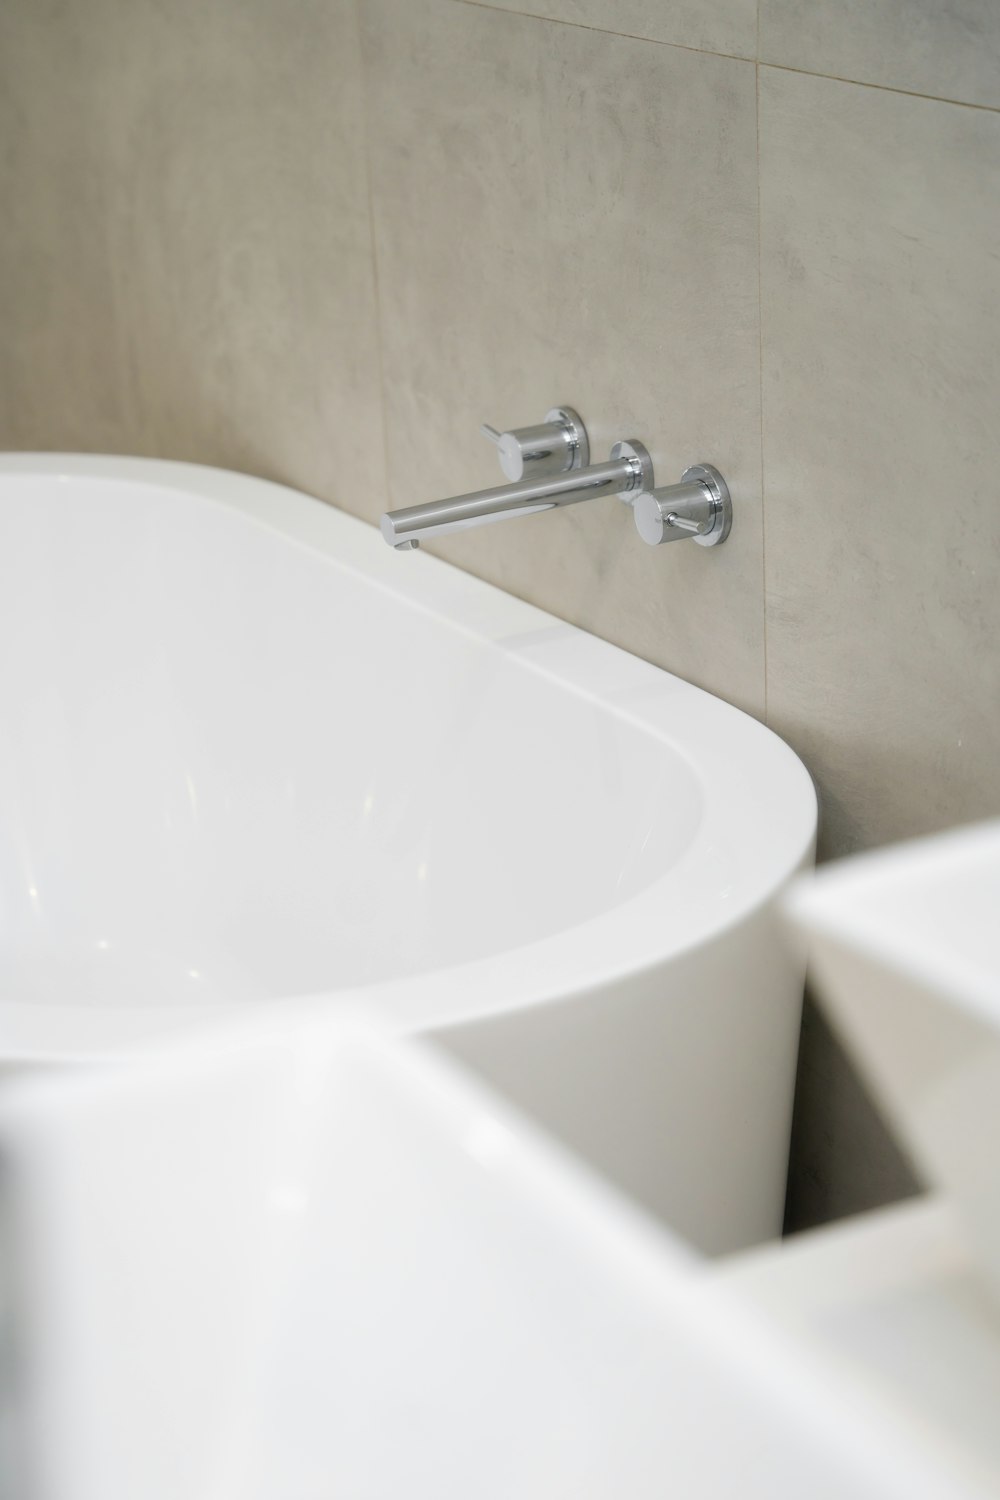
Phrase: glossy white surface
(301, 1261)
(905, 944)
(894, 1303)
(250, 754)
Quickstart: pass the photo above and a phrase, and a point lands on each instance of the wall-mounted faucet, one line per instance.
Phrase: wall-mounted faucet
(555, 456)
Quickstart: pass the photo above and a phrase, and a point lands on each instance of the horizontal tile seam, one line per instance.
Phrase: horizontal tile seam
(884, 88)
(630, 36)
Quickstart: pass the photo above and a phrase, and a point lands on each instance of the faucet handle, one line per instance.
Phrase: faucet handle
(698, 507)
(554, 446)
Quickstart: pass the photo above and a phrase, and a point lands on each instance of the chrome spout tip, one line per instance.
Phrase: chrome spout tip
(387, 526)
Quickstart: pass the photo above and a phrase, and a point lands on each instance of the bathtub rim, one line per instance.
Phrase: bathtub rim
(770, 800)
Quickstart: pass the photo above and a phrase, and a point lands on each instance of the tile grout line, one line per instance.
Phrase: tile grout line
(760, 391)
(882, 88)
(631, 36)
(760, 378)
(377, 285)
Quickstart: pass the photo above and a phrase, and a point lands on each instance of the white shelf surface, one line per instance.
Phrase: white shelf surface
(894, 1302)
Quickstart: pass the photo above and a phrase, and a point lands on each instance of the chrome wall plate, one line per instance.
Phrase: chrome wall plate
(708, 475)
(642, 464)
(566, 417)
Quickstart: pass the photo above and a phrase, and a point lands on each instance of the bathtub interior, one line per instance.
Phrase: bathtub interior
(230, 771)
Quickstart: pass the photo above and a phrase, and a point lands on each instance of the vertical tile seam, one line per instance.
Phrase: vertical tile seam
(373, 239)
(760, 393)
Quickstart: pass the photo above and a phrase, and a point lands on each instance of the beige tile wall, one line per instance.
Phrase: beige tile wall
(946, 49)
(185, 245)
(761, 235)
(728, 27)
(537, 246)
(880, 218)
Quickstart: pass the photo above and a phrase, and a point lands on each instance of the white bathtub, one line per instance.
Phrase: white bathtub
(249, 753)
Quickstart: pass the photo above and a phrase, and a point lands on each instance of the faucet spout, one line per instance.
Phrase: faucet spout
(405, 528)
(558, 453)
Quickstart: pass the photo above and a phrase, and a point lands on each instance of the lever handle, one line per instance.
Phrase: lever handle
(699, 507)
(554, 446)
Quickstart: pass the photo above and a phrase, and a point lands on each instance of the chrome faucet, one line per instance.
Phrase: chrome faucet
(556, 455)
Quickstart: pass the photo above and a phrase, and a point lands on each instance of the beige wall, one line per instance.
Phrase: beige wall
(323, 244)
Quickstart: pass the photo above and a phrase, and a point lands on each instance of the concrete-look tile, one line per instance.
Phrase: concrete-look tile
(881, 358)
(949, 49)
(559, 219)
(188, 268)
(726, 26)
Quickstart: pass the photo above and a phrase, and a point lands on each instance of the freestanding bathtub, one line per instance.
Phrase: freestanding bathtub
(249, 754)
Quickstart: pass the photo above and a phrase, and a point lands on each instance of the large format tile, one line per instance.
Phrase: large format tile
(560, 219)
(946, 48)
(881, 344)
(186, 256)
(728, 26)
